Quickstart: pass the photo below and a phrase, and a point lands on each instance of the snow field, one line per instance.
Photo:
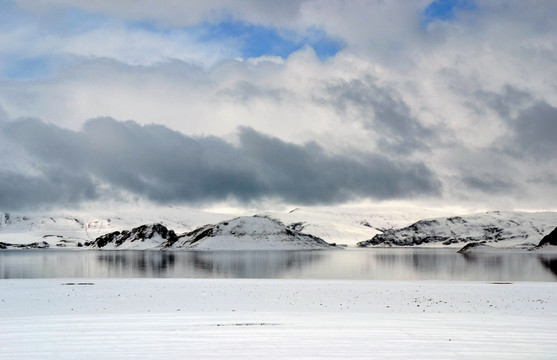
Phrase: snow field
(243, 318)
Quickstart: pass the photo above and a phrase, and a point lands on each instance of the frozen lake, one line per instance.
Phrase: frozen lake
(349, 264)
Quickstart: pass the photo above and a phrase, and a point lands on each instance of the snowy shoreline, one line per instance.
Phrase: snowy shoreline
(233, 318)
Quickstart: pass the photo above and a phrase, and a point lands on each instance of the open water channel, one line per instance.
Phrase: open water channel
(353, 264)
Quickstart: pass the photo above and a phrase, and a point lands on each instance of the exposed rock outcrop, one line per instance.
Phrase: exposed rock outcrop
(473, 246)
(35, 245)
(550, 239)
(142, 237)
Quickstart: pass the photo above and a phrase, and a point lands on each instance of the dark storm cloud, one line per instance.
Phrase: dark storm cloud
(532, 125)
(504, 103)
(53, 186)
(307, 172)
(488, 183)
(380, 110)
(535, 132)
(162, 165)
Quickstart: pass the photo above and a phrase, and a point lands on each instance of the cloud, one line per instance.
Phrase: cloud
(155, 163)
(381, 110)
(3, 116)
(535, 132)
(143, 33)
(272, 97)
(461, 92)
(531, 124)
(488, 183)
(507, 103)
(137, 46)
(387, 28)
(53, 187)
(245, 92)
(307, 172)
(179, 13)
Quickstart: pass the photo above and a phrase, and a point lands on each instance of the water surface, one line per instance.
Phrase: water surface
(355, 264)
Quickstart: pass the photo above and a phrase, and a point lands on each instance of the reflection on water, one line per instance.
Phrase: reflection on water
(254, 264)
(371, 264)
(550, 263)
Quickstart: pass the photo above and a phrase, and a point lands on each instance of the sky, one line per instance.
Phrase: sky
(446, 103)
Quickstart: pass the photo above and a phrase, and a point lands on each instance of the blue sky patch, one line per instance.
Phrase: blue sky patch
(444, 10)
(252, 40)
(32, 68)
(75, 21)
(64, 22)
(12, 16)
(255, 41)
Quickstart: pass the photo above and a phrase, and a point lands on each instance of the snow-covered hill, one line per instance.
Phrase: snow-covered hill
(498, 228)
(242, 233)
(249, 233)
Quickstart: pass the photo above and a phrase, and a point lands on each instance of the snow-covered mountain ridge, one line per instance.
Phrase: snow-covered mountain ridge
(242, 233)
(498, 228)
(72, 229)
(341, 225)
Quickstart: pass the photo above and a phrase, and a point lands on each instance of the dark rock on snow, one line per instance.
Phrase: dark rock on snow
(35, 245)
(474, 245)
(138, 234)
(550, 239)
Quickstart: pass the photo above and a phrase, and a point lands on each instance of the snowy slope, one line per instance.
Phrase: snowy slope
(339, 224)
(352, 224)
(69, 230)
(497, 228)
(248, 233)
(242, 233)
(61, 230)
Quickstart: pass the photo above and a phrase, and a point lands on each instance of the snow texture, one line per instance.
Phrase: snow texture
(341, 225)
(275, 319)
(70, 230)
(498, 229)
(243, 233)
(248, 233)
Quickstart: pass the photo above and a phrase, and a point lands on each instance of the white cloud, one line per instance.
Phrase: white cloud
(139, 47)
(442, 75)
(181, 13)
